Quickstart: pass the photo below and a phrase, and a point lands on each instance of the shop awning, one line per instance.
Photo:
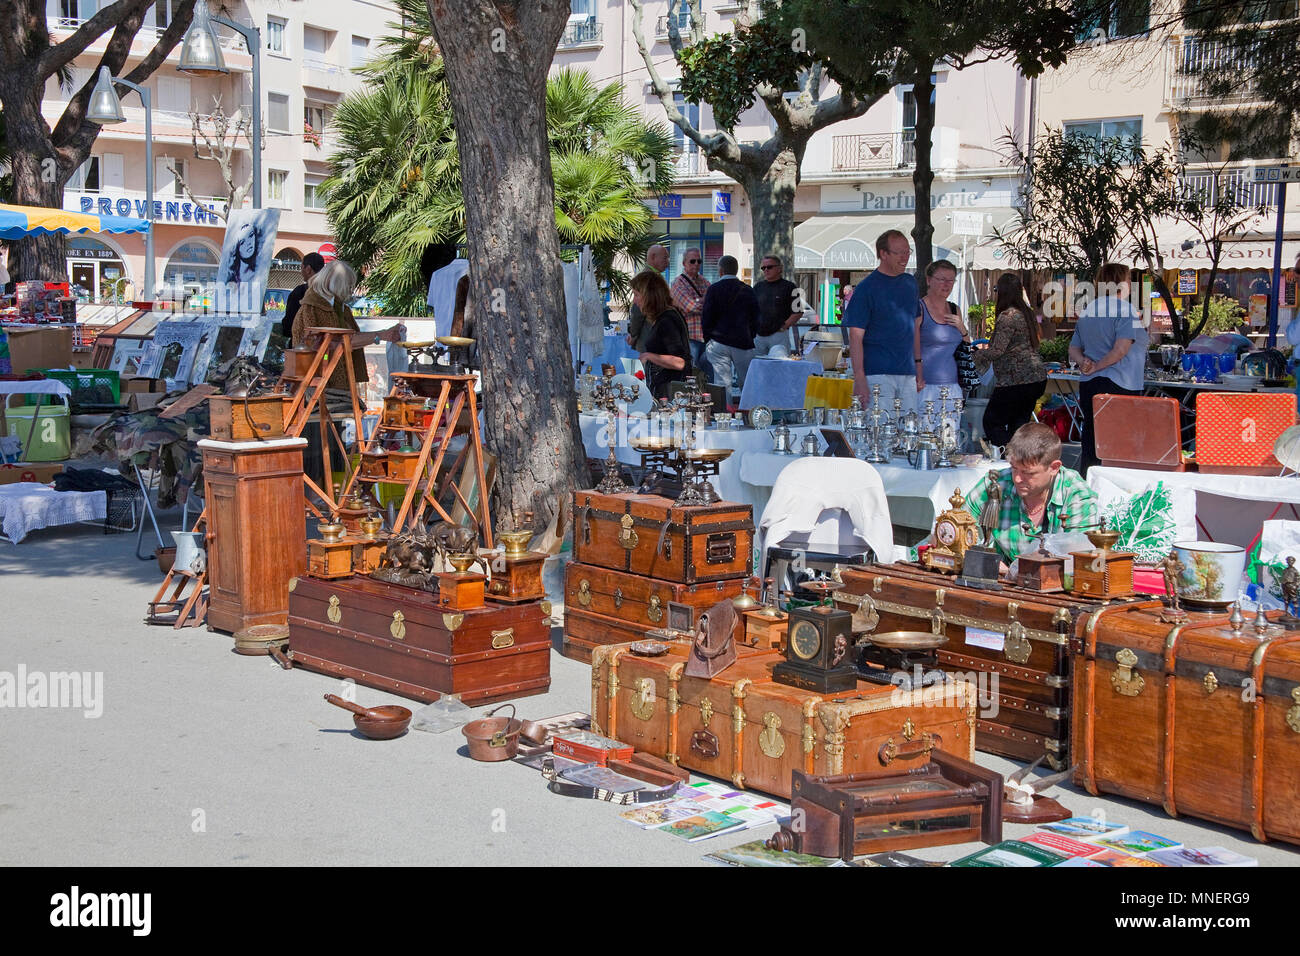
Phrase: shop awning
(849, 242)
(18, 222)
(1251, 248)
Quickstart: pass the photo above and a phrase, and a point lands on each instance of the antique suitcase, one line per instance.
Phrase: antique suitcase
(246, 419)
(742, 727)
(584, 632)
(1019, 638)
(649, 535)
(401, 640)
(1191, 716)
(635, 603)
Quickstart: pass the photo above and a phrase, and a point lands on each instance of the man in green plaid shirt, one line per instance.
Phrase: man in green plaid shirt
(1038, 495)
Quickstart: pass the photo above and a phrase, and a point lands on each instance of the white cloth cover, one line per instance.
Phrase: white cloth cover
(26, 506)
(442, 293)
(809, 487)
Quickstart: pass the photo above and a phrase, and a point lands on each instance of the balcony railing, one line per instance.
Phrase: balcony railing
(1188, 59)
(1210, 184)
(581, 32)
(867, 151)
(690, 163)
(683, 21)
(147, 33)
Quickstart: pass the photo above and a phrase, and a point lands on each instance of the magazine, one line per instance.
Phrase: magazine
(1084, 827)
(1062, 845)
(1209, 856)
(651, 815)
(1136, 842)
(756, 853)
(1010, 853)
(702, 826)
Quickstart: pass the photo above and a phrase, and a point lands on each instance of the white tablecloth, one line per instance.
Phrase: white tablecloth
(1190, 505)
(777, 383)
(44, 386)
(26, 506)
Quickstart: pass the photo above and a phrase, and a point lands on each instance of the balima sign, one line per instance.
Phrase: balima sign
(162, 211)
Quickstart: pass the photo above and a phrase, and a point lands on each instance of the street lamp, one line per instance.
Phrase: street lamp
(106, 109)
(201, 56)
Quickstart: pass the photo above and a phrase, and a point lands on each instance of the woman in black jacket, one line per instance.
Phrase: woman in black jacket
(667, 355)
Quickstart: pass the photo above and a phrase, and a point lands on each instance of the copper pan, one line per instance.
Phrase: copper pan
(377, 723)
(493, 738)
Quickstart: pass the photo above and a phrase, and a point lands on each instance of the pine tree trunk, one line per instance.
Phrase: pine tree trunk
(496, 56)
(38, 181)
(771, 206)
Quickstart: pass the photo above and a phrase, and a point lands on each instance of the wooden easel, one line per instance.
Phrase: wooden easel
(190, 610)
(309, 395)
(452, 395)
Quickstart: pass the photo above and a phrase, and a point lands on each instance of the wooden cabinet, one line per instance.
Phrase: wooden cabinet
(257, 530)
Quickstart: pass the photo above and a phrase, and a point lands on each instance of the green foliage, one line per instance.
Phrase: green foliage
(1145, 522)
(1055, 350)
(395, 183)
(1225, 315)
(980, 318)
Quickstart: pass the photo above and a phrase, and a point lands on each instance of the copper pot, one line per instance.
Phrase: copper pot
(491, 739)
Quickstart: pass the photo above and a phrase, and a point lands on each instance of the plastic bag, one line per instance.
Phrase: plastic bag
(445, 713)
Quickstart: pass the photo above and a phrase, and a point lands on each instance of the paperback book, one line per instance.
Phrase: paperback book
(1082, 828)
(1010, 853)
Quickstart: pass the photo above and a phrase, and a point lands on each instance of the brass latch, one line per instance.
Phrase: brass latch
(656, 609)
(626, 535)
(504, 638)
(584, 592)
(1125, 681)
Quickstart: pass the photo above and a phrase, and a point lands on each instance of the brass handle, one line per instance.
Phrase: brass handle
(584, 592)
(656, 609)
(504, 638)
(890, 751)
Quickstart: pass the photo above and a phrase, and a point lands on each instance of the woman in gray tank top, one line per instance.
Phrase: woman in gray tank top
(939, 330)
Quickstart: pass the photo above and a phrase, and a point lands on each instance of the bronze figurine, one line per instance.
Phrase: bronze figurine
(1171, 568)
(991, 513)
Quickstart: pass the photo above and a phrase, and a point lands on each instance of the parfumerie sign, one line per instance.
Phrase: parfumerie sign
(162, 211)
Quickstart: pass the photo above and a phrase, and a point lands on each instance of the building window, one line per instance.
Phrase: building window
(178, 176)
(277, 112)
(277, 181)
(1115, 18)
(315, 117)
(85, 178)
(311, 196)
(173, 94)
(192, 267)
(276, 42)
(692, 113)
(360, 50)
(1128, 130)
(315, 40)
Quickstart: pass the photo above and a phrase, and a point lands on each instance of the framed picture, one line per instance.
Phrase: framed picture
(245, 264)
(179, 348)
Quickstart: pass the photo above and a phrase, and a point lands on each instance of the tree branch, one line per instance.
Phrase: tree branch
(64, 52)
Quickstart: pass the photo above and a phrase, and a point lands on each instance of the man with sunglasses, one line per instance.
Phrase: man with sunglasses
(779, 307)
(688, 296)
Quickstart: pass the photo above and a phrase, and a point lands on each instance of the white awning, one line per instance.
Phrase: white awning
(1251, 248)
(849, 242)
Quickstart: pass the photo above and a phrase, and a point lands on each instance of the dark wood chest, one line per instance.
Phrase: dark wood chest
(401, 640)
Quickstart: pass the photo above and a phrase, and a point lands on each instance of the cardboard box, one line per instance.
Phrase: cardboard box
(139, 401)
(39, 348)
(145, 385)
(28, 471)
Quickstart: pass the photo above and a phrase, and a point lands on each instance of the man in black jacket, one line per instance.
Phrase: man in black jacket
(312, 263)
(730, 322)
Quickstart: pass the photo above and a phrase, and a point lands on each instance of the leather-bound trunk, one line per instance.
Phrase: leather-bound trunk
(652, 536)
(1020, 638)
(401, 640)
(596, 597)
(1191, 716)
(743, 727)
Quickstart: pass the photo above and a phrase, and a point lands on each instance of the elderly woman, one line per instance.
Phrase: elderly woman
(1018, 372)
(939, 330)
(1110, 347)
(325, 306)
(667, 354)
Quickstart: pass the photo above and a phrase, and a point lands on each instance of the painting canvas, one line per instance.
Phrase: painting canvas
(246, 261)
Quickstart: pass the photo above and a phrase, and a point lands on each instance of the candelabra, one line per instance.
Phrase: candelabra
(606, 395)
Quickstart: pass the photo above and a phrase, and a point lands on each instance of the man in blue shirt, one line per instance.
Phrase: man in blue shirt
(881, 319)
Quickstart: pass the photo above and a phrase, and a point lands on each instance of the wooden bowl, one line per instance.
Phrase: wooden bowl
(393, 722)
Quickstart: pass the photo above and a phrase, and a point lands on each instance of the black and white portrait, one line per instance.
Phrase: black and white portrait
(246, 260)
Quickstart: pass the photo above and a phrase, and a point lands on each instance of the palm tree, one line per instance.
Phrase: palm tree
(394, 187)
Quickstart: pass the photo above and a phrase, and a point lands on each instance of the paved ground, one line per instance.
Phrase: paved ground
(202, 756)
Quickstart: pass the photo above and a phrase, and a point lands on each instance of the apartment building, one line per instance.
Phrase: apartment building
(856, 175)
(307, 52)
(1135, 77)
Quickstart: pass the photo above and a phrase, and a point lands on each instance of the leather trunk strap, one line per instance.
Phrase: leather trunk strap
(567, 788)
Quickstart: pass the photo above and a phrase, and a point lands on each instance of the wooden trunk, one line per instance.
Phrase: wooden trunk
(401, 640)
(1192, 717)
(742, 727)
(649, 535)
(252, 419)
(257, 534)
(517, 579)
(1023, 638)
(634, 603)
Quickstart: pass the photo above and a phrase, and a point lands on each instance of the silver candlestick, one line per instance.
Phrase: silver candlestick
(606, 394)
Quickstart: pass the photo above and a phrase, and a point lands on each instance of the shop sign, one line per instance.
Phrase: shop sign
(721, 205)
(670, 206)
(163, 211)
(1187, 282)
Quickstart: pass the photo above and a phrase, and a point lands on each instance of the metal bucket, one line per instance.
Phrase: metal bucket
(190, 555)
(493, 738)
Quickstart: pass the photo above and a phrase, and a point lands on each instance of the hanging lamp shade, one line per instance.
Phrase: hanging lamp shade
(105, 108)
(200, 51)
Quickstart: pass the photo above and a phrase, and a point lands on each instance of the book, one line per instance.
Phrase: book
(1115, 858)
(1081, 828)
(1084, 861)
(602, 778)
(723, 798)
(653, 815)
(1136, 842)
(1062, 845)
(702, 826)
(757, 853)
(1010, 853)
(1209, 856)
(894, 858)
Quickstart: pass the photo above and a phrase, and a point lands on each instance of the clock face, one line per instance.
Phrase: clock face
(946, 532)
(805, 640)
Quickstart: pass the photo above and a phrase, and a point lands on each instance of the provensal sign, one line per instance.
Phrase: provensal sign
(163, 211)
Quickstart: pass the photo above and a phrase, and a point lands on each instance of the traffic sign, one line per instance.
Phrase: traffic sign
(1277, 174)
(968, 223)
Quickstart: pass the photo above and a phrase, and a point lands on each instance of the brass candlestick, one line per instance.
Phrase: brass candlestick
(606, 395)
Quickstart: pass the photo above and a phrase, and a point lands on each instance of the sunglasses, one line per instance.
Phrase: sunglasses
(692, 262)
(766, 268)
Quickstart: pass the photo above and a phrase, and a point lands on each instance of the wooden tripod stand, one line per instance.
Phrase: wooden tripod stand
(189, 610)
